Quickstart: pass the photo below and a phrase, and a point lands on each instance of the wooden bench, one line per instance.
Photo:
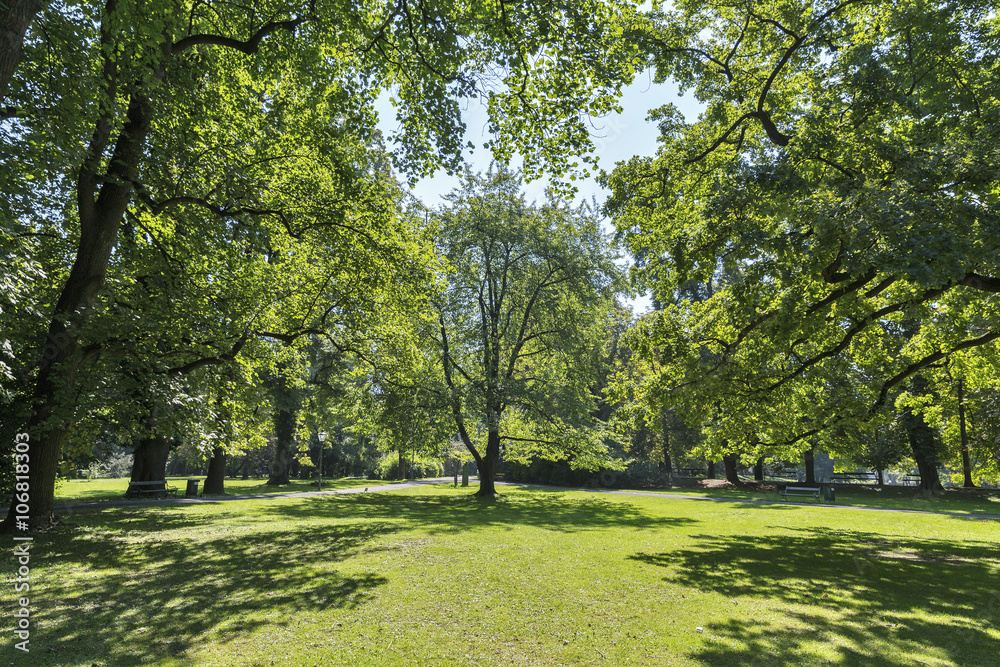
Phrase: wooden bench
(158, 489)
(915, 479)
(801, 491)
(691, 472)
(848, 477)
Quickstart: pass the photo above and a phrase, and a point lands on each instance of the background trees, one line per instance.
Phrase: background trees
(844, 172)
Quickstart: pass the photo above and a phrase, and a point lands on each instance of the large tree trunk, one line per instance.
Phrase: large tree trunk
(923, 444)
(15, 17)
(215, 480)
(149, 462)
(101, 202)
(966, 458)
(150, 454)
(758, 470)
(282, 450)
(809, 458)
(487, 465)
(730, 462)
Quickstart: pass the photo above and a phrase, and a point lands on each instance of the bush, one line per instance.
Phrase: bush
(388, 468)
(118, 464)
(638, 475)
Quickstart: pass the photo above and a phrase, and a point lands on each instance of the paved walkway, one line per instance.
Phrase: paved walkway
(756, 501)
(444, 480)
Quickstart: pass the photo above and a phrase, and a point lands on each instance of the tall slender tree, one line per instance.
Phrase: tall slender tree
(521, 325)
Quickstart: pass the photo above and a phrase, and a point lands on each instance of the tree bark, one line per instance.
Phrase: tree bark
(487, 466)
(923, 444)
(149, 462)
(966, 458)
(100, 219)
(758, 470)
(215, 480)
(809, 458)
(285, 409)
(667, 463)
(15, 17)
(731, 463)
(710, 472)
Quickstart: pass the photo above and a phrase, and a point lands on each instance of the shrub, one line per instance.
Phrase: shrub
(388, 468)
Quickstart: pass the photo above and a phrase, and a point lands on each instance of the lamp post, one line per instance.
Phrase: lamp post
(322, 438)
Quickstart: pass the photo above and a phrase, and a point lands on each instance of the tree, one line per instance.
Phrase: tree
(15, 17)
(208, 112)
(845, 164)
(521, 325)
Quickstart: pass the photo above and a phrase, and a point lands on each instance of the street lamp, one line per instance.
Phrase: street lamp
(322, 438)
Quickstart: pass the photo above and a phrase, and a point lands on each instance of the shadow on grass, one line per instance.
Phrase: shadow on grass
(886, 597)
(451, 513)
(149, 585)
(140, 600)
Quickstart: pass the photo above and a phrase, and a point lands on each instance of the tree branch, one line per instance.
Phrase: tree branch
(249, 46)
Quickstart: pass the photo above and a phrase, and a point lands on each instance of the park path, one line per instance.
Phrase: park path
(444, 480)
(249, 496)
(756, 501)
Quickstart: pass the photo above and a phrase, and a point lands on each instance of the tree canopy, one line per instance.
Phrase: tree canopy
(520, 326)
(842, 180)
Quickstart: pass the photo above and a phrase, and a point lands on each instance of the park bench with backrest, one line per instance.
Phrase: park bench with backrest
(799, 491)
(155, 489)
(690, 472)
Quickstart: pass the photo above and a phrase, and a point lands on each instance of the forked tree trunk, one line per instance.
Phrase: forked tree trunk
(101, 202)
(215, 479)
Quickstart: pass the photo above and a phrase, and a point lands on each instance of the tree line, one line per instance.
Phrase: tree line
(206, 241)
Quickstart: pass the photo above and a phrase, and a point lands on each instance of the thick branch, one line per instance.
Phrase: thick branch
(931, 359)
(249, 46)
(211, 361)
(983, 283)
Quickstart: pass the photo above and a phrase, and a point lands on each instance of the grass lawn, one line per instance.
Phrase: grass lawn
(83, 490)
(430, 576)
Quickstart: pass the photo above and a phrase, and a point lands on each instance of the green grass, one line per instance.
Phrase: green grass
(430, 576)
(978, 501)
(82, 490)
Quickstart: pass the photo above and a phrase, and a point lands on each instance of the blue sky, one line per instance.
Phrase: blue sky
(616, 137)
